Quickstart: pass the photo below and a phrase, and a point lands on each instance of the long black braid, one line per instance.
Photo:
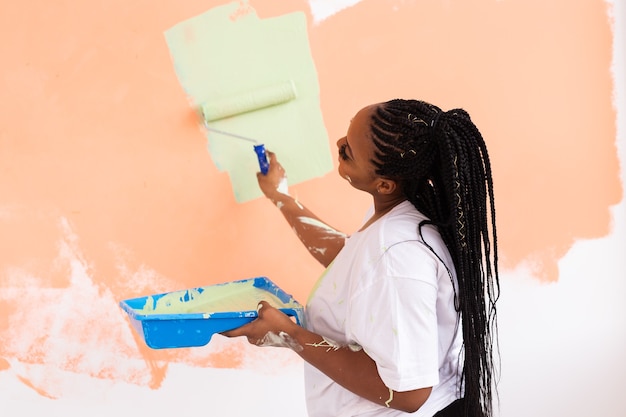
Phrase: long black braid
(440, 160)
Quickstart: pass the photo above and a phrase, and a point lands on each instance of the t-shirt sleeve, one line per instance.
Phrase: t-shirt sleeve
(395, 319)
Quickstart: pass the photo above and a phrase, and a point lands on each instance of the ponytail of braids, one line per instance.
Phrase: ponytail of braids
(441, 162)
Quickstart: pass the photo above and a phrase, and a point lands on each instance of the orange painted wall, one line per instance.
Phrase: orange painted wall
(107, 190)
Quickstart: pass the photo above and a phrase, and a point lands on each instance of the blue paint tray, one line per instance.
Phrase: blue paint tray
(190, 317)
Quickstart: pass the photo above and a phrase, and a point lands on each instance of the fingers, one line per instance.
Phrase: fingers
(262, 304)
(270, 328)
(235, 332)
(274, 161)
(246, 329)
(271, 156)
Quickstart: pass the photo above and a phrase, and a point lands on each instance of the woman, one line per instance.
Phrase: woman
(403, 319)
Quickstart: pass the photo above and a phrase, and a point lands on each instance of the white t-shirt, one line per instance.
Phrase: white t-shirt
(387, 293)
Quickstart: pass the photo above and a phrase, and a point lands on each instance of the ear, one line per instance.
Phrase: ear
(386, 186)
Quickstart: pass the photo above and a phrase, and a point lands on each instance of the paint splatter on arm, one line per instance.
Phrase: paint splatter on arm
(321, 240)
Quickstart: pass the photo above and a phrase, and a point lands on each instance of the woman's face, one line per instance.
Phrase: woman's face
(356, 151)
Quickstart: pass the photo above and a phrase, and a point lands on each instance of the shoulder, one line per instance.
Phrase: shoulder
(402, 223)
(410, 240)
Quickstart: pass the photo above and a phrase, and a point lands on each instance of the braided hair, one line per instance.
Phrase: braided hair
(440, 161)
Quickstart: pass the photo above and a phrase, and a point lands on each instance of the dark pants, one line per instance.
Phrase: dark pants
(453, 410)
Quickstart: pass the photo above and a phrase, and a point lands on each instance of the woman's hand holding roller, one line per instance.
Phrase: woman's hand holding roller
(274, 183)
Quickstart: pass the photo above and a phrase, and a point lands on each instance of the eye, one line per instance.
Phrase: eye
(342, 152)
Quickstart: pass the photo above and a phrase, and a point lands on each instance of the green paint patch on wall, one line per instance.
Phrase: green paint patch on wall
(228, 51)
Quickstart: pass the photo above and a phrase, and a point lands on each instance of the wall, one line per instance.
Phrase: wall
(108, 191)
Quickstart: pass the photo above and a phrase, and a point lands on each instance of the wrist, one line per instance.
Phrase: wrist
(279, 199)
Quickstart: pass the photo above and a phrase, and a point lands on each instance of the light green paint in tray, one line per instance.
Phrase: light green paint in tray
(228, 297)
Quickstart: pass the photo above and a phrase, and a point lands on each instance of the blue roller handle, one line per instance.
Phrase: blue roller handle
(262, 156)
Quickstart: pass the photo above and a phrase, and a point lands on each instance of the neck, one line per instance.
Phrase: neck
(381, 208)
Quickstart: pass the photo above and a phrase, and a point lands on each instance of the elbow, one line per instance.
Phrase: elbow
(410, 408)
(411, 401)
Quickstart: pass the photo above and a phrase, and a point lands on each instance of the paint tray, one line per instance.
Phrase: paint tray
(190, 317)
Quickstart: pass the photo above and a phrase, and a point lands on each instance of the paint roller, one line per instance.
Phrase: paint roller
(261, 98)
